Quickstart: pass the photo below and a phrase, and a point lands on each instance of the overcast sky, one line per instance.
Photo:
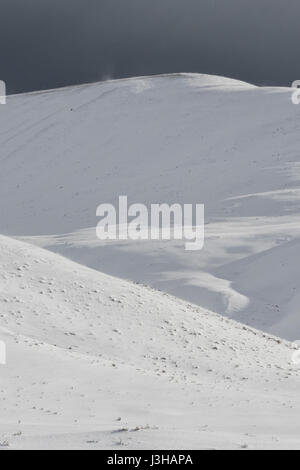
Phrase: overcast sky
(50, 43)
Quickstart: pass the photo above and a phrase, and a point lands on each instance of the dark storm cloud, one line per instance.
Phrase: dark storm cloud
(49, 43)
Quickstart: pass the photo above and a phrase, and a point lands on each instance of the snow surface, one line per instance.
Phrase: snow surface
(85, 349)
(182, 138)
(95, 362)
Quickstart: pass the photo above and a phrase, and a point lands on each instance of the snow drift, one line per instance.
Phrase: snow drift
(97, 362)
(176, 139)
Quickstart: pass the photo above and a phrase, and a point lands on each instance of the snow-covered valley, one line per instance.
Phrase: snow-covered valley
(96, 361)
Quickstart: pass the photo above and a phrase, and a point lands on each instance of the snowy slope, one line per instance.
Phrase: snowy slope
(181, 138)
(97, 362)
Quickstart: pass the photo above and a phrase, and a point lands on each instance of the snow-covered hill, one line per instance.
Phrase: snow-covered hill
(97, 362)
(182, 138)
